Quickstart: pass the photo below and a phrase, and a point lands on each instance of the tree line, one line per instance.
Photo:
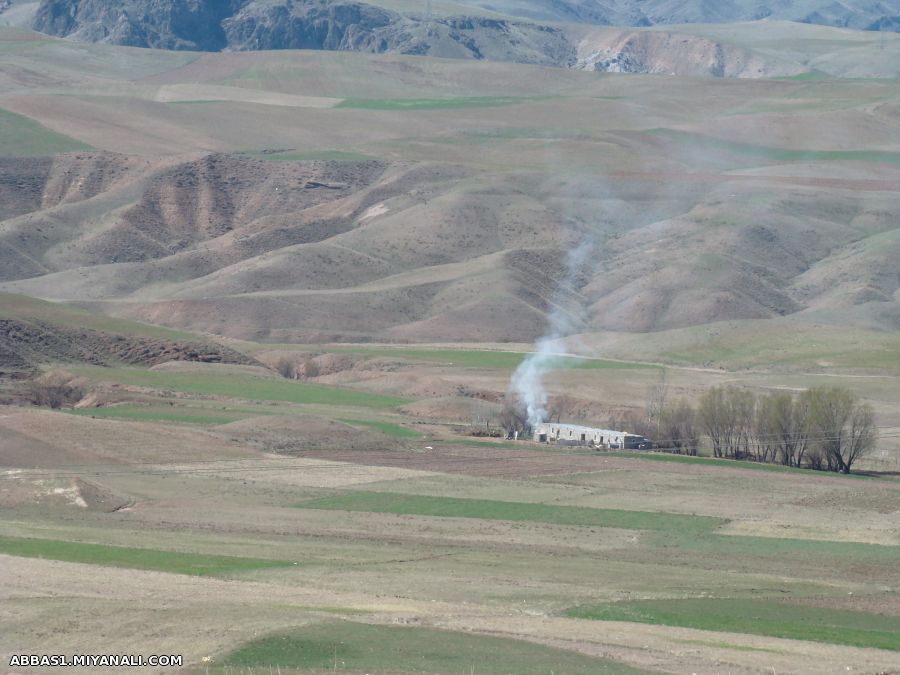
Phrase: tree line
(823, 428)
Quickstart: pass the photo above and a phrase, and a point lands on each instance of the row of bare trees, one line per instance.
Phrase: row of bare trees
(825, 428)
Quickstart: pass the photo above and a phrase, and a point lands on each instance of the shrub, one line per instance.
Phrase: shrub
(55, 389)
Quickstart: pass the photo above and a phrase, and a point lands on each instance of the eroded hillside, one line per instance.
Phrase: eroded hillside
(374, 250)
(312, 196)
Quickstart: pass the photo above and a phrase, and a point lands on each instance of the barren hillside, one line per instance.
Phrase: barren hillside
(308, 196)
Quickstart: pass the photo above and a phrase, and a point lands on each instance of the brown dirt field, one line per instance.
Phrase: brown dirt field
(303, 471)
(471, 462)
(533, 461)
(101, 599)
(881, 603)
(100, 497)
(299, 434)
(43, 439)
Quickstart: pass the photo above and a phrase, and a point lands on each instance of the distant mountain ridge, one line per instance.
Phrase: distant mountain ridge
(517, 36)
(857, 14)
(351, 25)
(247, 25)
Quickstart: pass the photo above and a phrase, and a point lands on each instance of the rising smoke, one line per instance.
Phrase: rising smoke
(527, 383)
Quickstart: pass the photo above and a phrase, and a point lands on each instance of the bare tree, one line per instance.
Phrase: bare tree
(843, 428)
(55, 389)
(780, 428)
(765, 425)
(713, 416)
(656, 402)
(798, 437)
(482, 418)
(310, 369)
(726, 415)
(678, 428)
(742, 405)
(831, 408)
(815, 458)
(513, 417)
(286, 367)
(862, 435)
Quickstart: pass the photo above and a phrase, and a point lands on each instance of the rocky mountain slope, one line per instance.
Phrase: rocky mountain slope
(350, 25)
(313, 24)
(858, 14)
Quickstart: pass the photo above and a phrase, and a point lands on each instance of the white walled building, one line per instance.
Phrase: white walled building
(573, 434)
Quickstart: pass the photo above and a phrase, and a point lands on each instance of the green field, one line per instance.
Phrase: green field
(799, 551)
(354, 647)
(783, 343)
(135, 558)
(160, 414)
(23, 137)
(309, 155)
(693, 537)
(434, 103)
(387, 428)
(485, 358)
(776, 154)
(757, 617)
(23, 308)
(241, 386)
(453, 507)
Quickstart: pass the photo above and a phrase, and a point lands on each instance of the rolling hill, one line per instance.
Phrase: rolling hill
(315, 196)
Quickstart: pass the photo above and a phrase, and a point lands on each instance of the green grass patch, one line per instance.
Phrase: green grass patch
(246, 387)
(23, 307)
(21, 136)
(309, 155)
(204, 101)
(770, 153)
(161, 414)
(810, 76)
(484, 358)
(387, 428)
(757, 617)
(362, 648)
(435, 103)
(454, 507)
(810, 552)
(472, 442)
(135, 558)
(528, 133)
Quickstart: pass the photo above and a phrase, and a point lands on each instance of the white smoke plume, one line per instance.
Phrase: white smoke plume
(527, 383)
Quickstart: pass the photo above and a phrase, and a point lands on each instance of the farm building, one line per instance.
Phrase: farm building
(573, 434)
